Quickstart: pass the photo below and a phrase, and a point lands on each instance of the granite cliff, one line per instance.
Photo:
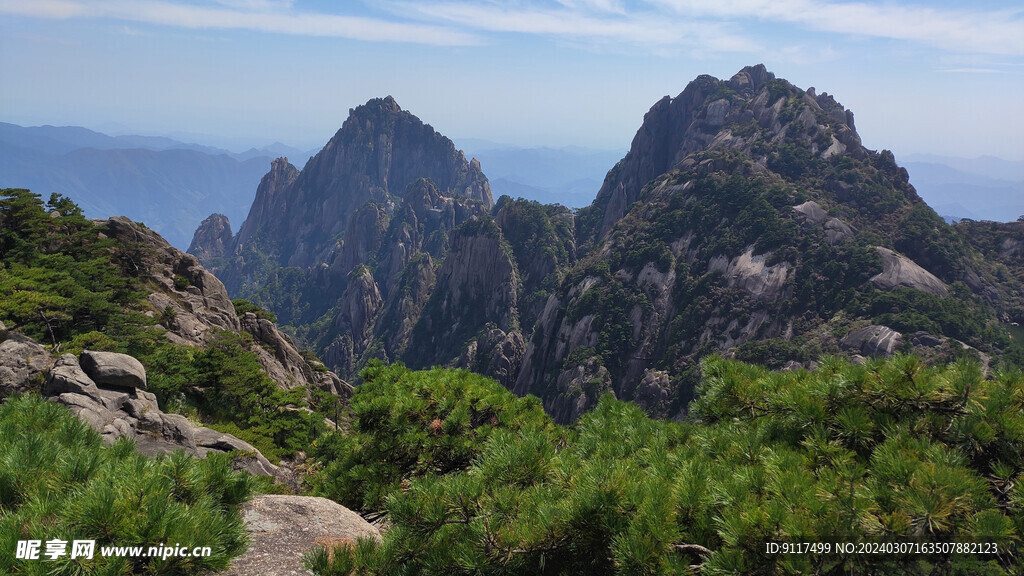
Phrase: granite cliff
(747, 219)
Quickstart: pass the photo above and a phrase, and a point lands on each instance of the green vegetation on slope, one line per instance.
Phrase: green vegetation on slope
(889, 452)
(68, 284)
(58, 481)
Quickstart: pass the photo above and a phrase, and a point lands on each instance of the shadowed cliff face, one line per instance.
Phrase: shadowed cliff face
(747, 220)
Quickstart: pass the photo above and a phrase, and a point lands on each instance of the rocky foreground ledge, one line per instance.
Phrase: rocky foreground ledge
(108, 391)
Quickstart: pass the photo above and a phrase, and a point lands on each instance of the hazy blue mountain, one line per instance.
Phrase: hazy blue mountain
(570, 176)
(983, 188)
(169, 185)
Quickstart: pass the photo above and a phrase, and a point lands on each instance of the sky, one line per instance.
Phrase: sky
(937, 77)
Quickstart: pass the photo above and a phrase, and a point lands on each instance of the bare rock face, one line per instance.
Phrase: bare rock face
(284, 364)
(212, 239)
(654, 389)
(579, 389)
(812, 211)
(476, 286)
(359, 305)
(113, 370)
(377, 153)
(752, 274)
(874, 340)
(837, 231)
(192, 299)
(23, 363)
(283, 528)
(270, 196)
(898, 270)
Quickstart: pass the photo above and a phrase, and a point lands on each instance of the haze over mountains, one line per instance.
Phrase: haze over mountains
(984, 188)
(172, 185)
(169, 185)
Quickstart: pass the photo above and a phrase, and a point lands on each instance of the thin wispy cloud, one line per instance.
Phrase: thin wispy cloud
(972, 70)
(583, 20)
(255, 15)
(968, 30)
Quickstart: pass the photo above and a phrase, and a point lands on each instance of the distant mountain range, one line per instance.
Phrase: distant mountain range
(168, 184)
(984, 188)
(171, 185)
(570, 176)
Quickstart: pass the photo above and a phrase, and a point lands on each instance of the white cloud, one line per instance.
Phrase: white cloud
(580, 20)
(978, 31)
(256, 15)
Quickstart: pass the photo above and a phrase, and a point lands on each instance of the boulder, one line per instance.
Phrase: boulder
(113, 369)
(283, 528)
(751, 274)
(68, 376)
(812, 211)
(252, 461)
(837, 231)
(898, 270)
(873, 340)
(22, 364)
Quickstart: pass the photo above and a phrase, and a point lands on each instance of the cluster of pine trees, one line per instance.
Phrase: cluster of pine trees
(891, 452)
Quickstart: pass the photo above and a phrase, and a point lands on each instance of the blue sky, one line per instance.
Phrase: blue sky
(927, 77)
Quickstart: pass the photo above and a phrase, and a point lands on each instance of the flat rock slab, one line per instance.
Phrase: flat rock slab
(282, 528)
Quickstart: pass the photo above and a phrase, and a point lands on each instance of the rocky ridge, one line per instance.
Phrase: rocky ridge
(747, 219)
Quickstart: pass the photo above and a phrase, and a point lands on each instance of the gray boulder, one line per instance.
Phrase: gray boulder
(898, 270)
(252, 461)
(113, 369)
(874, 340)
(22, 364)
(283, 528)
(67, 376)
(812, 211)
(837, 231)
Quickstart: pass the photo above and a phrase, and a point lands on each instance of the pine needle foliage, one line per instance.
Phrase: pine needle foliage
(58, 481)
(408, 424)
(885, 453)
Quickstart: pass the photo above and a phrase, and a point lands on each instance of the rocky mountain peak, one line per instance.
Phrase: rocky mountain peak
(753, 113)
(297, 217)
(212, 238)
(751, 78)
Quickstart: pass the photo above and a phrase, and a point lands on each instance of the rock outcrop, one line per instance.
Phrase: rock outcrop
(23, 363)
(381, 149)
(212, 239)
(898, 270)
(873, 340)
(192, 300)
(193, 304)
(113, 370)
(285, 365)
(283, 528)
(112, 405)
(751, 274)
(476, 286)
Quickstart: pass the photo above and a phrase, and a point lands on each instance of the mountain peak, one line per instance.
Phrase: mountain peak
(753, 113)
(751, 78)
